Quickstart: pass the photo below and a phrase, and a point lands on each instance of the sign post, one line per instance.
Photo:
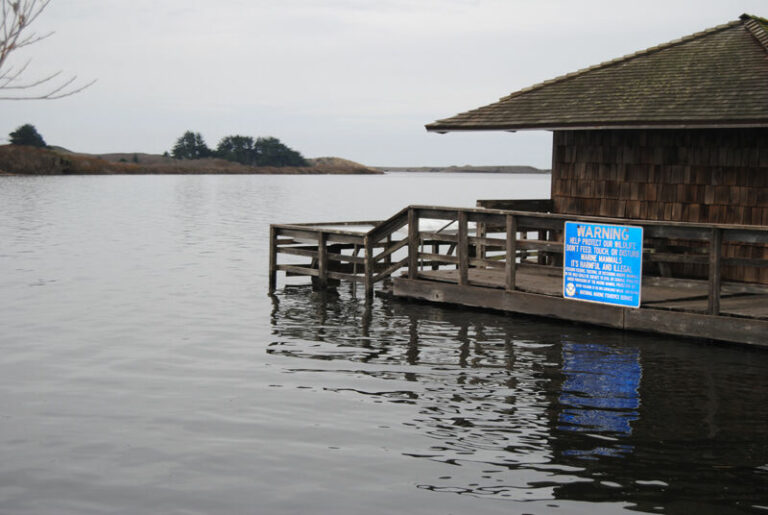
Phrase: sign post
(603, 263)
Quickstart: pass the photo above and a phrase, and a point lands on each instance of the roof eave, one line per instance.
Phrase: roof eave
(716, 124)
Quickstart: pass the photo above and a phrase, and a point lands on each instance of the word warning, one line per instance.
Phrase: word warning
(603, 263)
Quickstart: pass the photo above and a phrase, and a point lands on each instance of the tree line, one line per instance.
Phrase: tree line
(245, 150)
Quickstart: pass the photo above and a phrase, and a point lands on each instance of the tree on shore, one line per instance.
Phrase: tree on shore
(16, 16)
(241, 149)
(272, 152)
(267, 151)
(190, 146)
(236, 148)
(27, 135)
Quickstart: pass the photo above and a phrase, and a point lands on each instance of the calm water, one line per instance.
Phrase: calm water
(144, 369)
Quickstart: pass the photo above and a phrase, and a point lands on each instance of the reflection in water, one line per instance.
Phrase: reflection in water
(600, 393)
(534, 410)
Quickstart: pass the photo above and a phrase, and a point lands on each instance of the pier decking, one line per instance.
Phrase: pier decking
(511, 260)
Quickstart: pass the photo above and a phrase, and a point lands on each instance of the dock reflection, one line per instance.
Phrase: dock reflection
(537, 410)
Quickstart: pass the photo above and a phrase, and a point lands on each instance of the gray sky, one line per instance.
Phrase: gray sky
(350, 78)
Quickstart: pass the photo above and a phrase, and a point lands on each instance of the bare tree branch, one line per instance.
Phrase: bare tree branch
(15, 18)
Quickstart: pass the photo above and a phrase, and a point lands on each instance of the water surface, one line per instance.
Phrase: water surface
(145, 370)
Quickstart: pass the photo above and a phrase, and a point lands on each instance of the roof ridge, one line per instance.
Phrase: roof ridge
(758, 27)
(647, 51)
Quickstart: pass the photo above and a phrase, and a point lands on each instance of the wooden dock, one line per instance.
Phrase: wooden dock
(511, 260)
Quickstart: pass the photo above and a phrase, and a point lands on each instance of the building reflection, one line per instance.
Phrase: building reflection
(552, 411)
(600, 394)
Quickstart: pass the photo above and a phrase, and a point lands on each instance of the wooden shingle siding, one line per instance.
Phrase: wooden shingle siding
(712, 176)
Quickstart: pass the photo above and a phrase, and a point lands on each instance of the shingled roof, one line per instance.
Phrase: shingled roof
(714, 78)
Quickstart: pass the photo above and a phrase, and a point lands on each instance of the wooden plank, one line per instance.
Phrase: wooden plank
(486, 263)
(272, 259)
(439, 258)
(440, 213)
(391, 249)
(308, 235)
(746, 236)
(493, 218)
(734, 261)
(537, 222)
(715, 250)
(511, 257)
(728, 329)
(667, 257)
(322, 225)
(542, 245)
(515, 301)
(391, 269)
(390, 225)
(675, 232)
(368, 267)
(463, 248)
(298, 270)
(441, 237)
(295, 251)
(345, 258)
(314, 227)
(540, 205)
(487, 242)
(341, 276)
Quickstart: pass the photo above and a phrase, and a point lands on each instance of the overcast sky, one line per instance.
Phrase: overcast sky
(350, 78)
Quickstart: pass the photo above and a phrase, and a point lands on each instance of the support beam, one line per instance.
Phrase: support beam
(413, 243)
(322, 261)
(368, 267)
(511, 259)
(272, 259)
(463, 249)
(715, 255)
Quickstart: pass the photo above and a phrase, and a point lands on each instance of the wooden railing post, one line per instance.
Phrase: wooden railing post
(368, 267)
(322, 260)
(462, 249)
(481, 233)
(511, 260)
(715, 254)
(272, 259)
(413, 243)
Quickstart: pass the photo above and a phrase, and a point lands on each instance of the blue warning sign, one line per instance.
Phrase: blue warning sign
(603, 263)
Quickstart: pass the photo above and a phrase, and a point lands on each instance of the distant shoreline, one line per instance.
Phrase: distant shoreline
(23, 160)
(501, 169)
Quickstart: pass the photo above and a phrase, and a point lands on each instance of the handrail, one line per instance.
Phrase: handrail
(470, 251)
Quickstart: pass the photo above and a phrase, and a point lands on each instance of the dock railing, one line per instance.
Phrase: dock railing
(490, 239)
(335, 248)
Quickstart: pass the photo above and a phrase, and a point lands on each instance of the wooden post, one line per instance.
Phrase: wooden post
(368, 267)
(524, 252)
(435, 250)
(541, 257)
(481, 233)
(322, 261)
(413, 243)
(511, 262)
(272, 259)
(462, 249)
(715, 253)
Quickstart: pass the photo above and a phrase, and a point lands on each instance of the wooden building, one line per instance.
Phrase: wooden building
(673, 139)
(677, 132)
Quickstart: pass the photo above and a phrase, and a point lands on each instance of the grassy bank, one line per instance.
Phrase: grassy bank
(22, 160)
